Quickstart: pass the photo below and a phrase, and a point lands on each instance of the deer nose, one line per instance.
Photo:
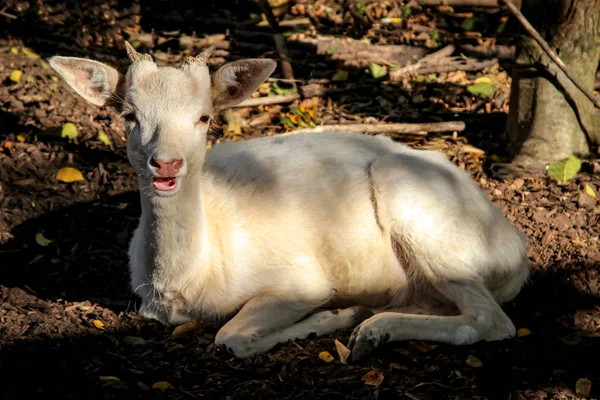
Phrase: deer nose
(166, 169)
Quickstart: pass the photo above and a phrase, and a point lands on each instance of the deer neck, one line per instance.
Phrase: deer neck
(177, 233)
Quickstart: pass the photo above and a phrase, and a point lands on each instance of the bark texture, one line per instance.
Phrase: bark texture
(549, 117)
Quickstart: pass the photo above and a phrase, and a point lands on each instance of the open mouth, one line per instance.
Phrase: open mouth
(164, 184)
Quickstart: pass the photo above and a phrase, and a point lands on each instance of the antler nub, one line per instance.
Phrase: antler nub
(201, 59)
(134, 55)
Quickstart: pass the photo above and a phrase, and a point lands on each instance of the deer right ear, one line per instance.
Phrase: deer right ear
(94, 81)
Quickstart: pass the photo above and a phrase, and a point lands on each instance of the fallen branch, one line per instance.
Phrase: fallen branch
(395, 75)
(400, 128)
(495, 51)
(7, 15)
(538, 38)
(307, 91)
(280, 44)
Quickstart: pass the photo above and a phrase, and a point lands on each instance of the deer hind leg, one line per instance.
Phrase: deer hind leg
(266, 321)
(452, 239)
(481, 318)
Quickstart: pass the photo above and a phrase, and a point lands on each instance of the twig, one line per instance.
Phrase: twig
(531, 30)
(400, 128)
(7, 15)
(458, 3)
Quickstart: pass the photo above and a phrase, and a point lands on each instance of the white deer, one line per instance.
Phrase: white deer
(308, 233)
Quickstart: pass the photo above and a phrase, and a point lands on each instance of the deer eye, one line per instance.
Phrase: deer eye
(129, 116)
(204, 118)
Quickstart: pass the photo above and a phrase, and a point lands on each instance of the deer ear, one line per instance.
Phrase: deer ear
(94, 81)
(236, 81)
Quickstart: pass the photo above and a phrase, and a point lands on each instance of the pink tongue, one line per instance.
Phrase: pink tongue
(164, 184)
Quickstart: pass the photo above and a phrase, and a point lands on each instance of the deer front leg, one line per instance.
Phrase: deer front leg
(266, 321)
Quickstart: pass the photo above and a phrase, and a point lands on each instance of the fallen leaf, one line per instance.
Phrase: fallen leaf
(30, 53)
(469, 23)
(99, 324)
(398, 366)
(22, 137)
(467, 148)
(342, 351)
(122, 206)
(325, 356)
(69, 130)
(421, 346)
(41, 240)
(373, 378)
(484, 79)
(7, 145)
(192, 326)
(340, 76)
(15, 76)
(411, 396)
(68, 174)
(235, 123)
(134, 340)
(565, 169)
(524, 331)
(474, 361)
(482, 89)
(14, 50)
(571, 340)
(583, 387)
(377, 71)
(162, 385)
(587, 189)
(109, 378)
(103, 137)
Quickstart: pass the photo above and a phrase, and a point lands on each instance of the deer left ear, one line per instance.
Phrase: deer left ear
(236, 81)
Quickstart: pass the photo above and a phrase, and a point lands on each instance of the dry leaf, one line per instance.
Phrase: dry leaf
(325, 356)
(30, 53)
(103, 137)
(22, 137)
(474, 362)
(15, 76)
(523, 332)
(134, 340)
(191, 326)
(99, 324)
(162, 385)
(69, 174)
(373, 378)
(587, 189)
(41, 240)
(423, 347)
(14, 50)
(342, 351)
(69, 130)
(109, 378)
(583, 387)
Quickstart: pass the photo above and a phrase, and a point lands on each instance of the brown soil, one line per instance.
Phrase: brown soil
(67, 323)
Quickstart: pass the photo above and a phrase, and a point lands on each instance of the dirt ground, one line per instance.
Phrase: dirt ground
(67, 323)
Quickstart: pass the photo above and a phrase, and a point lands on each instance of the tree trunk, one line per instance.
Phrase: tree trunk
(549, 118)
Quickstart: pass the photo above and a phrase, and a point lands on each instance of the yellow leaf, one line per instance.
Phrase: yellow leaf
(162, 385)
(103, 137)
(69, 130)
(192, 326)
(14, 50)
(325, 356)
(21, 137)
(41, 240)
(122, 206)
(484, 79)
(422, 347)
(342, 351)
(68, 174)
(474, 361)
(30, 53)
(583, 387)
(99, 324)
(523, 332)
(589, 191)
(54, 78)
(373, 378)
(15, 76)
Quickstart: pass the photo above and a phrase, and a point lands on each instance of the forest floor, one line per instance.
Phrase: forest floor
(67, 322)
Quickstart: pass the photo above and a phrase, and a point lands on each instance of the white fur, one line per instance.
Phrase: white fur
(270, 230)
